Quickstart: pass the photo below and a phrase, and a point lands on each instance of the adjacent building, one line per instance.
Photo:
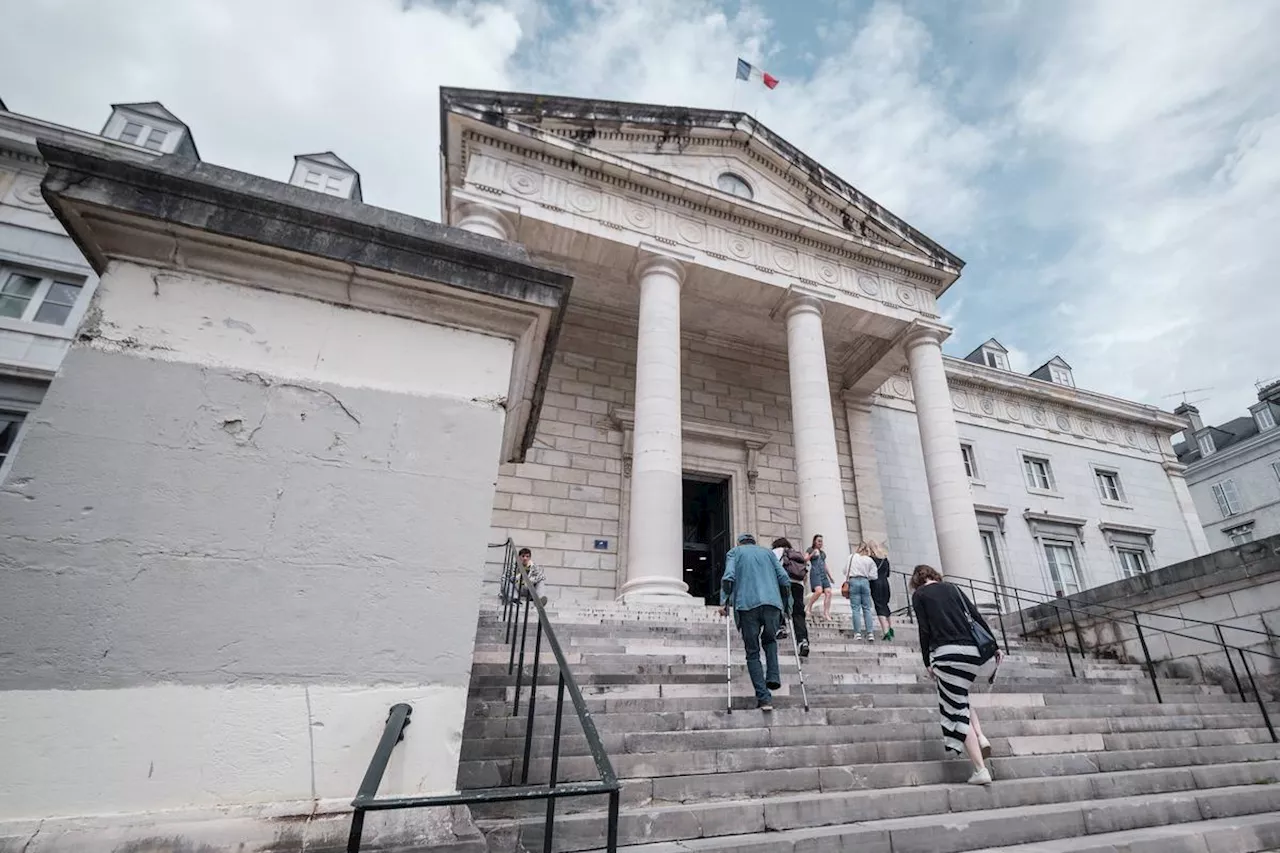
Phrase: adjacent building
(1233, 470)
(753, 344)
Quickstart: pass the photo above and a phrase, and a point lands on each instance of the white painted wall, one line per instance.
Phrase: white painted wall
(1151, 501)
(183, 317)
(1249, 464)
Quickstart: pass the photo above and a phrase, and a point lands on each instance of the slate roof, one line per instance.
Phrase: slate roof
(1232, 432)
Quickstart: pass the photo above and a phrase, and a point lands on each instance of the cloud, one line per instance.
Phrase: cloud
(1163, 126)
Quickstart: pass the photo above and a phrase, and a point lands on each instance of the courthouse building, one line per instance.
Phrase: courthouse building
(753, 344)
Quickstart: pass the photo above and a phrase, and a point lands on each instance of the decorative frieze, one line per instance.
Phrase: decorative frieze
(753, 245)
(1015, 410)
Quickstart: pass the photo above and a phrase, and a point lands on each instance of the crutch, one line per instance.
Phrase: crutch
(728, 663)
(804, 692)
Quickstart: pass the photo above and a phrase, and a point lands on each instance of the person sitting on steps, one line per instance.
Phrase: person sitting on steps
(536, 575)
(759, 592)
(796, 565)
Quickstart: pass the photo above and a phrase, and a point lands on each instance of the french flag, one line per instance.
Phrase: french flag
(747, 71)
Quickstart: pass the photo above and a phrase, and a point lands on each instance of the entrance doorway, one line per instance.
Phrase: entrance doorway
(706, 535)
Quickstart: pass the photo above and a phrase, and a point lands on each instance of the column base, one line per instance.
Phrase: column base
(658, 589)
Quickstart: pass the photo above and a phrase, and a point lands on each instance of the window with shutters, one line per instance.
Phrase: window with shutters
(1228, 498)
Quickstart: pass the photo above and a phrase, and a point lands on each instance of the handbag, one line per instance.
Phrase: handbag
(983, 640)
(844, 589)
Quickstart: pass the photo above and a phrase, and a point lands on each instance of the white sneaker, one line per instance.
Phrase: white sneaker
(871, 638)
(857, 638)
(980, 777)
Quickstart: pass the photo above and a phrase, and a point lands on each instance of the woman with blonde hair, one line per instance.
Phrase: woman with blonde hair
(881, 591)
(954, 650)
(858, 575)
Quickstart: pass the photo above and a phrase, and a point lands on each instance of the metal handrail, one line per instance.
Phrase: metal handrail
(515, 581)
(1146, 652)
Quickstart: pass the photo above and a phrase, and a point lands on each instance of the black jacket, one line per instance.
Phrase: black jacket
(942, 616)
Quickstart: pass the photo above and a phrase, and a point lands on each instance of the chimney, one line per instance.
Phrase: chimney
(1269, 391)
(1192, 414)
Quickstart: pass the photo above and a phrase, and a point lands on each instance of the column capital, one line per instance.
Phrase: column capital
(481, 215)
(661, 260)
(922, 332)
(797, 299)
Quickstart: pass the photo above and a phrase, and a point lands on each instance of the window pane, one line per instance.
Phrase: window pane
(132, 130)
(9, 424)
(12, 306)
(21, 285)
(51, 313)
(155, 139)
(62, 293)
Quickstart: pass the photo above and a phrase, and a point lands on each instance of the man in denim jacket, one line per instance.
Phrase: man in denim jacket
(760, 593)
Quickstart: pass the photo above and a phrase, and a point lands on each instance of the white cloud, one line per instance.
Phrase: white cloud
(1164, 123)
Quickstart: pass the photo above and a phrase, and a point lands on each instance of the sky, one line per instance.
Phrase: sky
(1109, 171)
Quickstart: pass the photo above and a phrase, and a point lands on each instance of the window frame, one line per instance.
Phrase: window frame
(1100, 472)
(735, 177)
(1226, 507)
(1059, 587)
(48, 278)
(1142, 556)
(1239, 534)
(1275, 469)
(1258, 415)
(7, 454)
(991, 355)
(1026, 458)
(969, 456)
(1206, 444)
(1061, 376)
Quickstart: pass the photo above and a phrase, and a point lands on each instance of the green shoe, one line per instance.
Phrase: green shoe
(888, 636)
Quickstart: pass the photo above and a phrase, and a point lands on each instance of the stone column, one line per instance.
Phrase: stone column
(479, 217)
(866, 470)
(655, 540)
(817, 465)
(949, 494)
(1186, 506)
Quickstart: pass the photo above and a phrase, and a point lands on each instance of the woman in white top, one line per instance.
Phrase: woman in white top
(859, 573)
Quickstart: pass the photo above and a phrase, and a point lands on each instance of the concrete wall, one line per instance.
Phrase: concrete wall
(1238, 588)
(1150, 500)
(1250, 466)
(570, 491)
(242, 525)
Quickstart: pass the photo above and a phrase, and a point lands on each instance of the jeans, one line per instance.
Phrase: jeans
(759, 627)
(797, 612)
(860, 604)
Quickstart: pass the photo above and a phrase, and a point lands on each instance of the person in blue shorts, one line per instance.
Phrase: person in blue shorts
(819, 578)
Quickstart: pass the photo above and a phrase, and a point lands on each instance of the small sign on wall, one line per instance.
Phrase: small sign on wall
(602, 544)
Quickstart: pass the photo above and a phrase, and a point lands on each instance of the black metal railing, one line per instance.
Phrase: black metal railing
(515, 599)
(1004, 591)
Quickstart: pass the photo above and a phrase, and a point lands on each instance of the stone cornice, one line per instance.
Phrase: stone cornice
(678, 192)
(606, 209)
(1116, 527)
(1053, 518)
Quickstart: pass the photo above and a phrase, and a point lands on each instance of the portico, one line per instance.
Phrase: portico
(704, 325)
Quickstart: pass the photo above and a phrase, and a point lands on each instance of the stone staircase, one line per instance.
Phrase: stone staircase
(1086, 765)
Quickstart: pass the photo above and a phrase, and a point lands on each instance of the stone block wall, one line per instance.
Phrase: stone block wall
(569, 491)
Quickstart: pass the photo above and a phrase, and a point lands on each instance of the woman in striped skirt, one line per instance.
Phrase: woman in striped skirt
(943, 615)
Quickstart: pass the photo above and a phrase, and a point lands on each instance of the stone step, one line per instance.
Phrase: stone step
(1244, 834)
(1148, 732)
(594, 666)
(896, 762)
(942, 819)
(624, 720)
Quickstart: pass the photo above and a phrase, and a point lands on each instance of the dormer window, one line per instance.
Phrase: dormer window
(1263, 418)
(735, 185)
(140, 134)
(995, 359)
(1207, 446)
(326, 173)
(1061, 376)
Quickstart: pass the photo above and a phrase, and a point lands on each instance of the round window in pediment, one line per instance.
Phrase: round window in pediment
(735, 184)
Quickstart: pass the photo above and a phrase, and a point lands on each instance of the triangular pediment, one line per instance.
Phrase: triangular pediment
(690, 149)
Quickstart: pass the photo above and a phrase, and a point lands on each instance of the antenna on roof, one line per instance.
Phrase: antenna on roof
(1183, 394)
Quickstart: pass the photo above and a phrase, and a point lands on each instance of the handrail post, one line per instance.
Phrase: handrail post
(611, 843)
(533, 698)
(1234, 675)
(1146, 654)
(906, 587)
(524, 635)
(1021, 619)
(1257, 694)
(555, 766)
(392, 734)
(1004, 634)
(1065, 645)
(1075, 624)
